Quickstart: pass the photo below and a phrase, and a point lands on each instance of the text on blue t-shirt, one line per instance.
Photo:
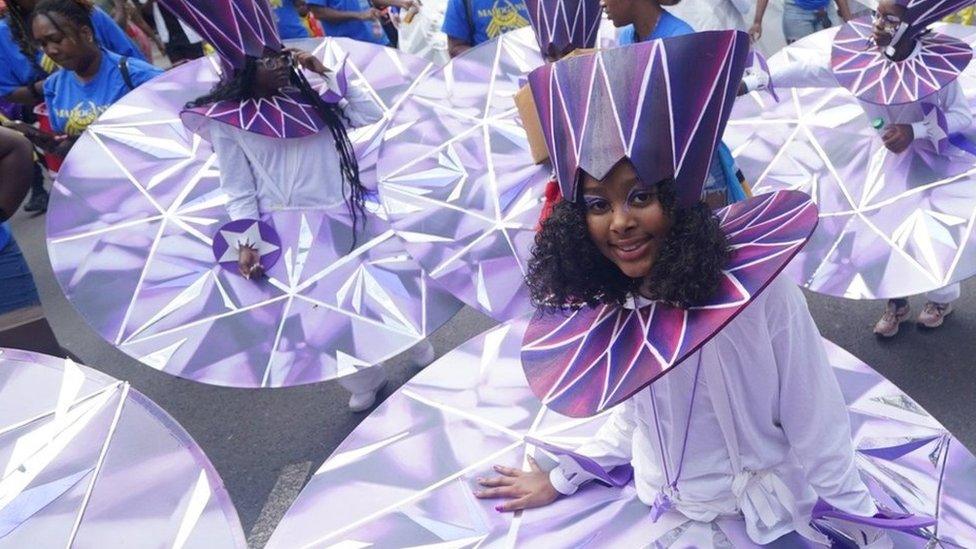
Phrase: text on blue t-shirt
(491, 18)
(73, 105)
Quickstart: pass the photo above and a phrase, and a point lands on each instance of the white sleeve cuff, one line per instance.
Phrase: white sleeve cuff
(919, 130)
(561, 483)
(755, 81)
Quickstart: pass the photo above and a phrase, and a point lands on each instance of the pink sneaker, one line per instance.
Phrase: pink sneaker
(887, 325)
(933, 314)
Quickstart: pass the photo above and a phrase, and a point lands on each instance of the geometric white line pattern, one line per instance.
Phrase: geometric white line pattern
(891, 225)
(404, 477)
(87, 461)
(133, 215)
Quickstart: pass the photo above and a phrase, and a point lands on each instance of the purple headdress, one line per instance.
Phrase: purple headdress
(562, 26)
(919, 14)
(661, 104)
(237, 29)
(873, 76)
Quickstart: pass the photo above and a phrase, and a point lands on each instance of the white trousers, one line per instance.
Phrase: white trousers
(945, 294)
(364, 381)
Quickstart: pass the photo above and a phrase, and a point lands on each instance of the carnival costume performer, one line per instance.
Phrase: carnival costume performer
(280, 144)
(904, 78)
(754, 426)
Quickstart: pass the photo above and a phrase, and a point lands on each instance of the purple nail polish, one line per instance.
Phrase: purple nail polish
(498, 508)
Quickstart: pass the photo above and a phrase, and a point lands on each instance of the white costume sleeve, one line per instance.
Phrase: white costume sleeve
(358, 104)
(610, 447)
(959, 117)
(811, 69)
(812, 411)
(236, 177)
(953, 103)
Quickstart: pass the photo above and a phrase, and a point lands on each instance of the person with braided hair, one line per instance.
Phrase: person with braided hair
(23, 68)
(92, 78)
(280, 144)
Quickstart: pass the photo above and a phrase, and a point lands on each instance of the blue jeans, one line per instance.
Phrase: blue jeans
(17, 289)
(798, 22)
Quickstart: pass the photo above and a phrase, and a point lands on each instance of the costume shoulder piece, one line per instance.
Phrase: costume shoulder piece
(871, 75)
(595, 358)
(242, 29)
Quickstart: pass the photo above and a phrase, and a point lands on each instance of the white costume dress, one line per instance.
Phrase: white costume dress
(262, 174)
(812, 70)
(768, 431)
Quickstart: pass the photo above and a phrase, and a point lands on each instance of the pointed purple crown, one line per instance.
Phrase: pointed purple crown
(562, 26)
(919, 14)
(235, 28)
(661, 104)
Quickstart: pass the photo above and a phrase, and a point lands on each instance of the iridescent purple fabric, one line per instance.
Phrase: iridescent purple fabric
(229, 239)
(562, 26)
(457, 179)
(661, 104)
(890, 225)
(861, 67)
(130, 228)
(404, 477)
(88, 461)
(237, 29)
(590, 360)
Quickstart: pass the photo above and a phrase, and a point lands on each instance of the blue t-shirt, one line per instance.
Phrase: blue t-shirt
(4, 234)
(364, 31)
(16, 70)
(667, 26)
(289, 23)
(811, 5)
(72, 104)
(491, 18)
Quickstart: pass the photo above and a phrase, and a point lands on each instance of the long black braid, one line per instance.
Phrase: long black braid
(19, 20)
(241, 86)
(333, 117)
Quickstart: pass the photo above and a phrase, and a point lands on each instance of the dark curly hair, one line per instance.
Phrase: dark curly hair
(567, 271)
(240, 86)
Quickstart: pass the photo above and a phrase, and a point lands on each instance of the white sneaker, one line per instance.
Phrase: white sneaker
(422, 354)
(360, 402)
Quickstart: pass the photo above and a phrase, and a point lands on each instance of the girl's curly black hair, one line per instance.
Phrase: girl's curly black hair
(19, 20)
(240, 86)
(567, 271)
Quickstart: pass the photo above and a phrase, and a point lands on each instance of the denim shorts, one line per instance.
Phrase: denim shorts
(798, 22)
(17, 289)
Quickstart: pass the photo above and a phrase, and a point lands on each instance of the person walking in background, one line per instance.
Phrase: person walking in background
(180, 42)
(22, 322)
(800, 17)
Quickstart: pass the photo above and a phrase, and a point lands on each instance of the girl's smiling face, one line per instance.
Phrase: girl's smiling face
(625, 219)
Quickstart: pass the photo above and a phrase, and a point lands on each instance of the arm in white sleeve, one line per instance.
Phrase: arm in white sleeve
(358, 104)
(812, 411)
(610, 447)
(809, 69)
(236, 176)
(959, 117)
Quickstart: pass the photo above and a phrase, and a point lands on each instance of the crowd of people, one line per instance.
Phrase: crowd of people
(629, 224)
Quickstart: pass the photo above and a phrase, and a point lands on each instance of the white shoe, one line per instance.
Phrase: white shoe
(360, 402)
(422, 354)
